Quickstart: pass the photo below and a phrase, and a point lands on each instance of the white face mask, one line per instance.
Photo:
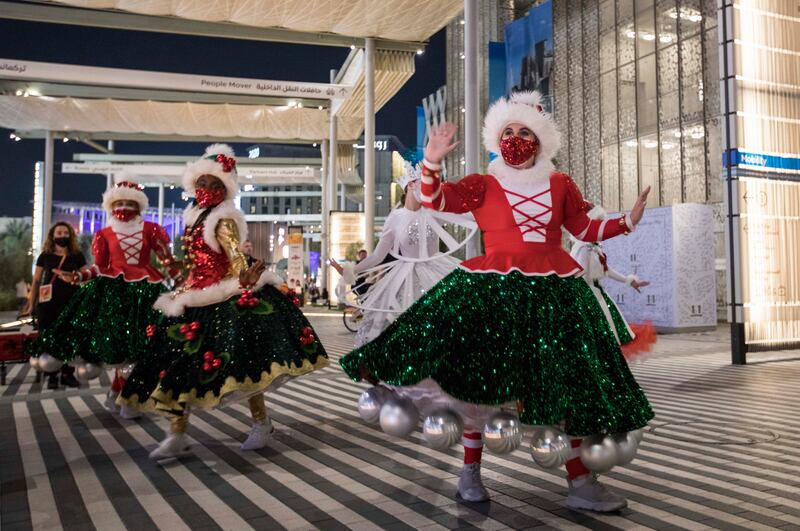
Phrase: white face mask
(417, 193)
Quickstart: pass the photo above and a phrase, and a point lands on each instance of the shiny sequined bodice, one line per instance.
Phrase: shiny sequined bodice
(413, 233)
(206, 266)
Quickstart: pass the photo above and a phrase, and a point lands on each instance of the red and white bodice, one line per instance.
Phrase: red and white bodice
(123, 248)
(521, 216)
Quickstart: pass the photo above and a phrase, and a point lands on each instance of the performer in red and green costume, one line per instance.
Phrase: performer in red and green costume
(105, 321)
(516, 325)
(228, 333)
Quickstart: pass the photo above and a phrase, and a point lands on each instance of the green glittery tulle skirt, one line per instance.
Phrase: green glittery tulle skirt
(490, 339)
(104, 322)
(223, 351)
(616, 317)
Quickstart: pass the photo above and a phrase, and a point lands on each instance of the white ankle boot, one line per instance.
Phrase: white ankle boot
(129, 413)
(175, 445)
(111, 402)
(260, 434)
(470, 485)
(589, 494)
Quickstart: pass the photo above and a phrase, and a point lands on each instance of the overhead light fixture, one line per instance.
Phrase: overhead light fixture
(665, 38)
(631, 143)
(314, 144)
(65, 140)
(462, 22)
(18, 92)
(419, 52)
(352, 46)
(25, 94)
(320, 107)
(648, 37)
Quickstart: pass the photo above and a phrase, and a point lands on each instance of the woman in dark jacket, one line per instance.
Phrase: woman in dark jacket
(49, 294)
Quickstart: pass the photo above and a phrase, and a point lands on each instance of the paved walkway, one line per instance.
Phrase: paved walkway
(723, 452)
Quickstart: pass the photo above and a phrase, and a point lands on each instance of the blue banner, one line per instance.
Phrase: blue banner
(529, 52)
(736, 157)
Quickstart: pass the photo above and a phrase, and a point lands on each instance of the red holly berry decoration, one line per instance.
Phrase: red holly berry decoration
(208, 356)
(162, 374)
(190, 336)
(216, 363)
(207, 367)
(195, 326)
(228, 163)
(247, 299)
(307, 330)
(185, 329)
(150, 330)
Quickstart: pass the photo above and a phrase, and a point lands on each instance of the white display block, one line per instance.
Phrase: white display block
(673, 248)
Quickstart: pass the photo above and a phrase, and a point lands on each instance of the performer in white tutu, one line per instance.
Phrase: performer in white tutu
(406, 262)
(635, 339)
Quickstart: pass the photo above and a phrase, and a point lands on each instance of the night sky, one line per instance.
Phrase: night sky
(181, 54)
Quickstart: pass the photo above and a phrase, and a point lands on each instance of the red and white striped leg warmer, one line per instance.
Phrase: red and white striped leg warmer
(575, 467)
(473, 447)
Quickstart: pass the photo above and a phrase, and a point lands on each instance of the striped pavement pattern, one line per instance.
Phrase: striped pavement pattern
(722, 453)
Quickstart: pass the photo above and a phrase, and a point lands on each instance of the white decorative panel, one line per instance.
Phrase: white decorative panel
(673, 248)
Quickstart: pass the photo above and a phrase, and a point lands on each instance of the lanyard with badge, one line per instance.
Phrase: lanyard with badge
(46, 290)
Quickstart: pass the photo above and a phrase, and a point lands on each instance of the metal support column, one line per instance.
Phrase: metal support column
(471, 104)
(731, 197)
(369, 143)
(49, 153)
(324, 211)
(161, 204)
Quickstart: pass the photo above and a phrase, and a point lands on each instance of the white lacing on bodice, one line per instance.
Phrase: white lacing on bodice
(532, 206)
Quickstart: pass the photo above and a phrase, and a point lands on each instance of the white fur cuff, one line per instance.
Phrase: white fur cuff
(174, 304)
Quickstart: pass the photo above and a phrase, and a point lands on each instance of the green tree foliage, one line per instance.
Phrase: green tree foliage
(15, 260)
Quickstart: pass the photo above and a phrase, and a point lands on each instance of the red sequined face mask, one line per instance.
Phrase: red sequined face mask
(207, 197)
(517, 150)
(124, 214)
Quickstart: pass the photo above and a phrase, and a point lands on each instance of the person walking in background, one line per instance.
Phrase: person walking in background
(49, 294)
(247, 251)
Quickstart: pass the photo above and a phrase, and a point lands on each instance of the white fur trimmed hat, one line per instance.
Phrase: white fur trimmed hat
(524, 108)
(219, 161)
(128, 191)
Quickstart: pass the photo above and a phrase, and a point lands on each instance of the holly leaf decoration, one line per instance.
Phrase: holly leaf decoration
(191, 347)
(174, 333)
(208, 377)
(310, 349)
(263, 308)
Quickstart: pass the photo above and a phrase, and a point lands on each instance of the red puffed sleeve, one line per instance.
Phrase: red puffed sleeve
(102, 257)
(578, 223)
(458, 197)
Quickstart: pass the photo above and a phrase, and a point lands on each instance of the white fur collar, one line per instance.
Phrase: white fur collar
(225, 210)
(126, 227)
(175, 303)
(507, 175)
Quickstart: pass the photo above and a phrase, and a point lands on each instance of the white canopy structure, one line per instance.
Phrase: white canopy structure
(400, 20)
(45, 101)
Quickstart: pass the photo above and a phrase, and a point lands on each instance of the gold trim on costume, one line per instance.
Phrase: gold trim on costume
(164, 401)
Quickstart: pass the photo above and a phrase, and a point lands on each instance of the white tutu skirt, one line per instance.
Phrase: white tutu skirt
(396, 287)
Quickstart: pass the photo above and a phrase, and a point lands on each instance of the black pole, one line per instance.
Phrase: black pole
(738, 345)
